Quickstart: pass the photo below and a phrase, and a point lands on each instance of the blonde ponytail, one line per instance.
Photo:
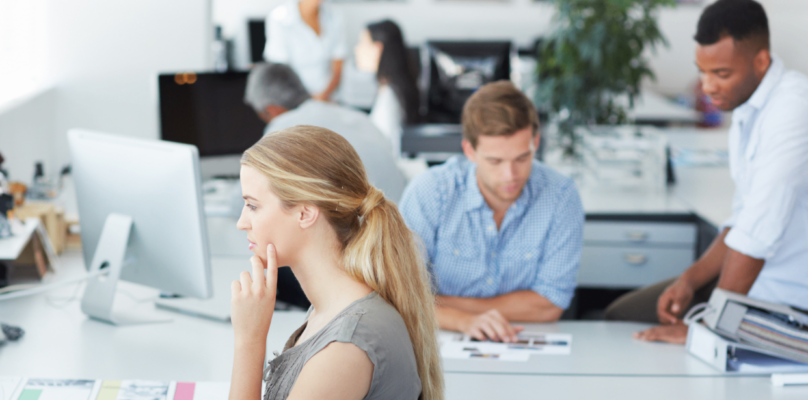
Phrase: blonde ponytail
(315, 165)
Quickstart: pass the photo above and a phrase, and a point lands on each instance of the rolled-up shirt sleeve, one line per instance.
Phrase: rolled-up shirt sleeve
(558, 267)
(339, 49)
(737, 206)
(779, 180)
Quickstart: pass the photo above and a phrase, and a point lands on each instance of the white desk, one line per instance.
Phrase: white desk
(605, 362)
(64, 343)
(656, 108)
(11, 247)
(703, 190)
(488, 386)
(599, 348)
(706, 190)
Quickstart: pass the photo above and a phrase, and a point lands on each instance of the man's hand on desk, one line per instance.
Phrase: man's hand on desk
(490, 325)
(676, 334)
(483, 326)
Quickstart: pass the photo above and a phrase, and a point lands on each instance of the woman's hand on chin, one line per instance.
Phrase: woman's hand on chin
(253, 299)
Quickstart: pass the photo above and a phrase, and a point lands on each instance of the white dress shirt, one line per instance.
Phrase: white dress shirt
(768, 150)
(290, 41)
(387, 115)
(355, 126)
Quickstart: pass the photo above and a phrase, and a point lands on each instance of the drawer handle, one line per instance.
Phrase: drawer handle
(636, 259)
(637, 236)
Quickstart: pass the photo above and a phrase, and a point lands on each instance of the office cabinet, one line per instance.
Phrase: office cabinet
(631, 254)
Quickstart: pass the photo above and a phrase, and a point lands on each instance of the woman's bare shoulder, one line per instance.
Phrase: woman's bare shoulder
(340, 371)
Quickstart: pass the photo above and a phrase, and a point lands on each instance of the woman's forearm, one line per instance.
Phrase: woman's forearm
(248, 368)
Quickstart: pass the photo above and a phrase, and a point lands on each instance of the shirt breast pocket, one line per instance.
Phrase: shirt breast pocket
(457, 266)
(519, 266)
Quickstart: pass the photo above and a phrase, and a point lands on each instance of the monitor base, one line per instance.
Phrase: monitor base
(99, 296)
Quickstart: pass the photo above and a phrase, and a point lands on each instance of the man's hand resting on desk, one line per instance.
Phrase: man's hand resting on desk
(670, 306)
(676, 334)
(491, 325)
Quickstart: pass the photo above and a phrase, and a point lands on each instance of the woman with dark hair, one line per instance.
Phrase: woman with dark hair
(381, 50)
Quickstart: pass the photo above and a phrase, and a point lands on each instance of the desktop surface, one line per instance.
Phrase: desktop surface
(61, 342)
(599, 348)
(613, 387)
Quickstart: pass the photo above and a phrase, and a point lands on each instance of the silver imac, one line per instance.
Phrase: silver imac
(142, 218)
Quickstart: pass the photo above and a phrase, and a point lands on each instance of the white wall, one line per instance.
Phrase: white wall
(26, 129)
(523, 20)
(105, 57)
(675, 66)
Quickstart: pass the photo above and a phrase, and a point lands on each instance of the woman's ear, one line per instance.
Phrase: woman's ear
(307, 215)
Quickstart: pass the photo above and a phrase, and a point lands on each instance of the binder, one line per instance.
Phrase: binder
(728, 355)
(743, 335)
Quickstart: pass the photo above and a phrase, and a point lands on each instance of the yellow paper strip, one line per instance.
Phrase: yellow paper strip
(109, 390)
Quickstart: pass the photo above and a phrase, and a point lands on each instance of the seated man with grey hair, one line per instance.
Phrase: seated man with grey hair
(276, 93)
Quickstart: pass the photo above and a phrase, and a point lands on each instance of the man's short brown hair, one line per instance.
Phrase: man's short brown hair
(498, 109)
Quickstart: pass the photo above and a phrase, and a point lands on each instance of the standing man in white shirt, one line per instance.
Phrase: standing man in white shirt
(275, 92)
(762, 250)
(309, 36)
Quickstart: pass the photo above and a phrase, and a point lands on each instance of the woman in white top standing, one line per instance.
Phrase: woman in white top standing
(381, 50)
(308, 36)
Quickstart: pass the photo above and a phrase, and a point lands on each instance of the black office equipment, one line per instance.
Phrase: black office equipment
(457, 69)
(258, 38)
(431, 138)
(207, 110)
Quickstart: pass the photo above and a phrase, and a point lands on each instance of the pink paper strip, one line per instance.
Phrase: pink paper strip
(184, 391)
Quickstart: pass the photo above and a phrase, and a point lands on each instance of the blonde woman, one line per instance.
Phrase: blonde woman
(371, 330)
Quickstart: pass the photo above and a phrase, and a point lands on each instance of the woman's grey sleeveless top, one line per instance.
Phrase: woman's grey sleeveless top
(371, 324)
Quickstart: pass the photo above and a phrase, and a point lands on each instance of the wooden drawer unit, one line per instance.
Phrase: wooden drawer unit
(625, 255)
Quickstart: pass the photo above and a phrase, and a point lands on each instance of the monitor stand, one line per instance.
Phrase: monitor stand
(99, 295)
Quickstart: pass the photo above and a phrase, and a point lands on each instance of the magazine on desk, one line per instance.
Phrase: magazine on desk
(459, 346)
(18, 388)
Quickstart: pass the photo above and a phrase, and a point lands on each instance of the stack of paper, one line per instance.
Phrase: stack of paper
(775, 333)
(529, 343)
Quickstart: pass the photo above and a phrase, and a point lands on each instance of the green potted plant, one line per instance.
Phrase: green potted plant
(593, 59)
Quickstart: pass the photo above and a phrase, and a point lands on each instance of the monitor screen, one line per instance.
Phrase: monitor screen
(207, 110)
(258, 39)
(457, 69)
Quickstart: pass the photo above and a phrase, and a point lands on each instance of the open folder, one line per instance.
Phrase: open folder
(739, 334)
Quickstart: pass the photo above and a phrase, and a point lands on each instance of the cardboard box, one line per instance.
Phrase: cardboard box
(52, 218)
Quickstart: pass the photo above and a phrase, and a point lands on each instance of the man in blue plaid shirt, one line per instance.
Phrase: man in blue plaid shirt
(503, 232)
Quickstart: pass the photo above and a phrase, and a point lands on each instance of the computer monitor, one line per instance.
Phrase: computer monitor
(457, 69)
(256, 31)
(142, 217)
(207, 110)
